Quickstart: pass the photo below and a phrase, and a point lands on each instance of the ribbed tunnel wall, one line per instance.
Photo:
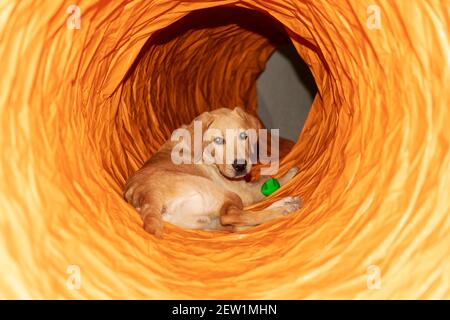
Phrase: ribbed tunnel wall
(81, 109)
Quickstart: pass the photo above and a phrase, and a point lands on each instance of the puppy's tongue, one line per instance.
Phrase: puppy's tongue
(248, 177)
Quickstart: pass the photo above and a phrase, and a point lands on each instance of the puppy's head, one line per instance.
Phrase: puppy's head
(230, 137)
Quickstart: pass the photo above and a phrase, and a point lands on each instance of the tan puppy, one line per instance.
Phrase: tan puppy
(209, 196)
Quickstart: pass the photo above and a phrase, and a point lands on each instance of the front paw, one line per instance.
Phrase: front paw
(287, 205)
(292, 172)
(291, 204)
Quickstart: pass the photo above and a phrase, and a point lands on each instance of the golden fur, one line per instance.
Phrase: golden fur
(201, 195)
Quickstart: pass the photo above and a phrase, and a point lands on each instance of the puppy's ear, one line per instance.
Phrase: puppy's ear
(240, 112)
(252, 120)
(206, 119)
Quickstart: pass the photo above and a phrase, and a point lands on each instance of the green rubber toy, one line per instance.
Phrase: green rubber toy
(270, 186)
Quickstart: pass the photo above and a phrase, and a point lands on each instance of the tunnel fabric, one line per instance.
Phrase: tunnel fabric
(81, 109)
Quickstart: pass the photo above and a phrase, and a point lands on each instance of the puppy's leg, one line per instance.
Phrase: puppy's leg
(240, 219)
(149, 207)
(292, 172)
(251, 191)
(286, 201)
(151, 215)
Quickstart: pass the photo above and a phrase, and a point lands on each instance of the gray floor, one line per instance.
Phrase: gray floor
(285, 92)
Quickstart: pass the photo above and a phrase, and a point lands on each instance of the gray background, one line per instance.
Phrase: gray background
(285, 92)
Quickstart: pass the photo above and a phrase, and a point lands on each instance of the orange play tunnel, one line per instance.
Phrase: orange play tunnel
(90, 89)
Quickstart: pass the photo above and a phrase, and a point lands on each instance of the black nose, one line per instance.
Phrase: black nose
(239, 165)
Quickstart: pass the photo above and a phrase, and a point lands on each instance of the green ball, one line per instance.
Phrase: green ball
(270, 186)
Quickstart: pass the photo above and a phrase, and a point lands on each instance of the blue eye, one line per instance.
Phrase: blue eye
(243, 135)
(219, 140)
